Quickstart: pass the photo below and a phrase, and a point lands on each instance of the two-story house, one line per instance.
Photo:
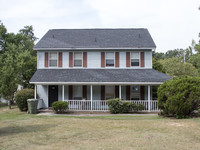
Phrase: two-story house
(86, 67)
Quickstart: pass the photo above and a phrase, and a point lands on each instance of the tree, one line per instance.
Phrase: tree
(179, 97)
(158, 66)
(174, 67)
(17, 60)
(9, 73)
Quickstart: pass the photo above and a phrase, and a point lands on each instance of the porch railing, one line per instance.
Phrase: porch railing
(101, 105)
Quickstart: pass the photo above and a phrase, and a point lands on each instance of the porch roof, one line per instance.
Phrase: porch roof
(98, 76)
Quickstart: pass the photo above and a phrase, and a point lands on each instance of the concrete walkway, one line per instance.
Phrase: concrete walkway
(96, 114)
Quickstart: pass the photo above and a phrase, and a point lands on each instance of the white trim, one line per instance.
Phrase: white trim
(111, 48)
(96, 83)
(35, 94)
(63, 92)
(120, 91)
(149, 95)
(91, 97)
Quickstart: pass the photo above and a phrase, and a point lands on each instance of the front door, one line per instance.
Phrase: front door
(53, 94)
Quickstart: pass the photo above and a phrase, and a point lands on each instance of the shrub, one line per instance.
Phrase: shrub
(59, 106)
(179, 97)
(21, 98)
(114, 105)
(118, 106)
(137, 107)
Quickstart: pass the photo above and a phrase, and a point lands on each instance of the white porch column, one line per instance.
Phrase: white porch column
(63, 92)
(120, 91)
(149, 89)
(91, 92)
(35, 94)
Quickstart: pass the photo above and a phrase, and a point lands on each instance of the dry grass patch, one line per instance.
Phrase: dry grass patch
(109, 132)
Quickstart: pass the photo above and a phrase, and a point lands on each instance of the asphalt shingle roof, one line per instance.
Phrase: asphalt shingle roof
(96, 38)
(98, 75)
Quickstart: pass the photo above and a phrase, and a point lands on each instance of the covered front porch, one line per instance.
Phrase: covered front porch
(94, 97)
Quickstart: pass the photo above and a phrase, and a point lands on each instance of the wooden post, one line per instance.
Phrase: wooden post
(63, 92)
(91, 95)
(149, 108)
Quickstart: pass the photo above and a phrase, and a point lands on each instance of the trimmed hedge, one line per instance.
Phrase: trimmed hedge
(21, 98)
(179, 97)
(59, 106)
(118, 106)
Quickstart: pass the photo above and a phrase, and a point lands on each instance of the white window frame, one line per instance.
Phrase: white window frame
(139, 91)
(49, 60)
(105, 59)
(77, 59)
(131, 58)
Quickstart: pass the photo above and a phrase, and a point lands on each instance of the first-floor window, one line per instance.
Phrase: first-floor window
(135, 92)
(109, 92)
(110, 59)
(78, 59)
(135, 59)
(77, 92)
(53, 59)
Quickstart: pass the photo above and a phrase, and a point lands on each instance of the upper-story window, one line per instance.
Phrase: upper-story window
(135, 59)
(53, 59)
(78, 59)
(110, 61)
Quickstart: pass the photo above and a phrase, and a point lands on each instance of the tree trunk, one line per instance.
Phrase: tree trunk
(9, 104)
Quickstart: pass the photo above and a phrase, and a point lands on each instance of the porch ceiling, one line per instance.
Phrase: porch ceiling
(98, 76)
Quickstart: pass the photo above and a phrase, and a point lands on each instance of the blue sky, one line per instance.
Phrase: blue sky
(172, 23)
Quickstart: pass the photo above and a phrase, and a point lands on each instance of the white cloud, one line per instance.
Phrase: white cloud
(172, 23)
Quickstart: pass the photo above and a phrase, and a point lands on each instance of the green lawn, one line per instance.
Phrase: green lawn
(23, 131)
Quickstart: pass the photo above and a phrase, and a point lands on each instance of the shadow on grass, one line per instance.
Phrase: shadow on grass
(11, 130)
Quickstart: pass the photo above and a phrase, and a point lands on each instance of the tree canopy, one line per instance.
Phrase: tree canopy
(17, 60)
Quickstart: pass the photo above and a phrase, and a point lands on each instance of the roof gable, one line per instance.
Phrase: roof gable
(96, 39)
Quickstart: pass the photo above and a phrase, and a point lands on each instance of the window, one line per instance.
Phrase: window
(109, 92)
(135, 93)
(135, 59)
(53, 59)
(77, 92)
(78, 59)
(110, 59)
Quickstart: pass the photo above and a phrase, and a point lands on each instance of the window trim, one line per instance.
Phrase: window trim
(49, 60)
(78, 59)
(139, 59)
(113, 58)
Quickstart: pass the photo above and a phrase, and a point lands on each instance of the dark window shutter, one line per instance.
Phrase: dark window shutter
(84, 59)
(85, 92)
(46, 61)
(128, 92)
(141, 59)
(142, 92)
(116, 91)
(70, 92)
(70, 59)
(116, 59)
(127, 59)
(103, 59)
(102, 92)
(60, 59)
